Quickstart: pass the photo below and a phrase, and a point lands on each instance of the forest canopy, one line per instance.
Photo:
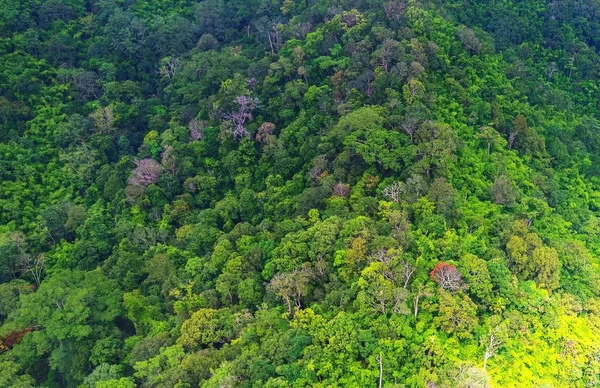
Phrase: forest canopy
(278, 193)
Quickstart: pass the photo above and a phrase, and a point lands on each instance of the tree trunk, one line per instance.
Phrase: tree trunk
(380, 361)
(416, 305)
(271, 43)
(287, 300)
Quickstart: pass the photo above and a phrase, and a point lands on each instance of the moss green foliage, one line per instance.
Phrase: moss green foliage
(277, 193)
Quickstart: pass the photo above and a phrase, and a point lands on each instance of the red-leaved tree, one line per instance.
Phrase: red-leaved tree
(447, 276)
(13, 338)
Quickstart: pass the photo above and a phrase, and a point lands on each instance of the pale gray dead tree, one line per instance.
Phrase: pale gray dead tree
(470, 40)
(169, 68)
(236, 121)
(380, 362)
(147, 172)
(341, 190)
(168, 160)
(196, 128)
(552, 69)
(394, 9)
(35, 266)
(419, 293)
(291, 287)
(394, 191)
(492, 348)
(407, 271)
(410, 125)
(387, 52)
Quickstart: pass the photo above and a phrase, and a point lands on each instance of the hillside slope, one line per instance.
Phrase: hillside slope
(316, 193)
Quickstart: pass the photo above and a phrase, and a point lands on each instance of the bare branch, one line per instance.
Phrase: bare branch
(394, 191)
(147, 172)
(196, 128)
(236, 121)
(447, 276)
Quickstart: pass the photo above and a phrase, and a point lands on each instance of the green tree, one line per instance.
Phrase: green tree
(436, 144)
(70, 312)
(478, 278)
(457, 314)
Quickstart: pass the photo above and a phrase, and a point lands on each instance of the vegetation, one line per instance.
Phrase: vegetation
(322, 193)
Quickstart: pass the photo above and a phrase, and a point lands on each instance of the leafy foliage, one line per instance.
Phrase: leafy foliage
(326, 193)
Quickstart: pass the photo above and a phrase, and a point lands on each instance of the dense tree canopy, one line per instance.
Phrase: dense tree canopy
(287, 193)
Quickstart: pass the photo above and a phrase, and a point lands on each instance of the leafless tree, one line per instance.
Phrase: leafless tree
(134, 193)
(468, 376)
(399, 296)
(401, 225)
(378, 299)
(410, 125)
(169, 67)
(104, 119)
(341, 190)
(394, 271)
(416, 187)
(147, 172)
(490, 136)
(207, 42)
(387, 259)
(511, 139)
(252, 83)
(571, 66)
(196, 128)
(415, 69)
(168, 160)
(275, 38)
(272, 30)
(350, 18)
(237, 120)
(384, 256)
(415, 87)
(407, 271)
(291, 287)
(519, 128)
(20, 242)
(387, 52)
(503, 191)
(552, 69)
(85, 84)
(383, 293)
(380, 362)
(82, 159)
(317, 270)
(394, 9)
(319, 168)
(300, 29)
(470, 40)
(394, 191)
(492, 348)
(568, 348)
(34, 266)
(418, 293)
